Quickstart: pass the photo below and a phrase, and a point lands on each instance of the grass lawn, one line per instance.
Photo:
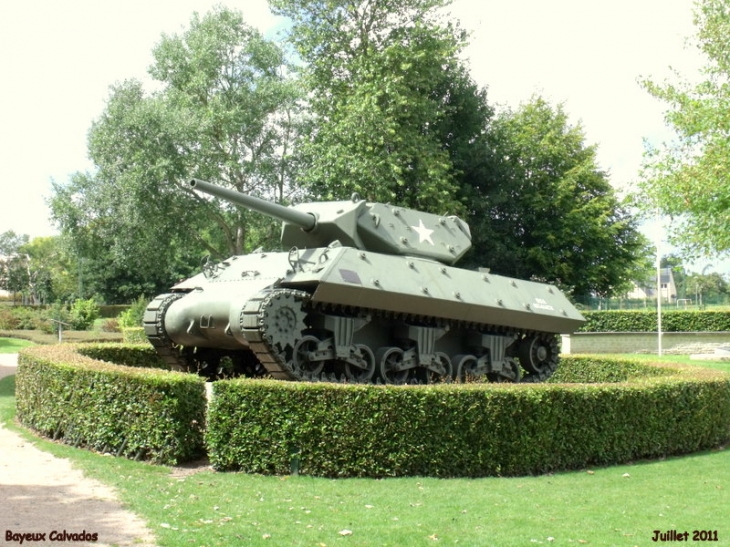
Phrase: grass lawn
(12, 345)
(682, 359)
(621, 506)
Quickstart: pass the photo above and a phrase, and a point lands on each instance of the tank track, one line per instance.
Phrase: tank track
(276, 325)
(154, 328)
(207, 362)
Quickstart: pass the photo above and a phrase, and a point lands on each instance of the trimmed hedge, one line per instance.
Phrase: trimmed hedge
(129, 355)
(646, 321)
(63, 392)
(595, 411)
(472, 430)
(134, 335)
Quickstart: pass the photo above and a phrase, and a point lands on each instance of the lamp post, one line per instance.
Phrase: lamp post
(699, 284)
(659, 283)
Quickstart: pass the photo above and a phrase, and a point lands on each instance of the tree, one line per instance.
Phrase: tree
(35, 268)
(379, 77)
(686, 178)
(544, 210)
(224, 112)
(12, 272)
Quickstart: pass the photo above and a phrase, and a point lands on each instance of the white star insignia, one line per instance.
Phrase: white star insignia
(424, 234)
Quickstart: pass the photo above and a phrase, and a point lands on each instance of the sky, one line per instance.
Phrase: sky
(58, 60)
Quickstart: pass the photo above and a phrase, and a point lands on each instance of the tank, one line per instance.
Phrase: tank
(367, 292)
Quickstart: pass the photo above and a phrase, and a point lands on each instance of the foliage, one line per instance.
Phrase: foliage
(594, 369)
(110, 325)
(83, 313)
(69, 336)
(133, 316)
(466, 430)
(686, 177)
(384, 84)
(8, 320)
(543, 209)
(38, 269)
(703, 288)
(26, 318)
(132, 412)
(12, 272)
(10, 242)
(646, 321)
(127, 354)
(223, 112)
(134, 335)
(234, 508)
(80, 316)
(645, 410)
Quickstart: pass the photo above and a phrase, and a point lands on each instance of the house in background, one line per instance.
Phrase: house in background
(648, 289)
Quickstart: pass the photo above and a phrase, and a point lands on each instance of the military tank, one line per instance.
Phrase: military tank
(367, 292)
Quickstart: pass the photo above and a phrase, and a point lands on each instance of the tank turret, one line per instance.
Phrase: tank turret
(376, 227)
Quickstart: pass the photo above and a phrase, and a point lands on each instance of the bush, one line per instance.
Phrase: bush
(110, 325)
(473, 430)
(8, 321)
(134, 335)
(646, 321)
(637, 410)
(133, 316)
(64, 393)
(26, 318)
(83, 314)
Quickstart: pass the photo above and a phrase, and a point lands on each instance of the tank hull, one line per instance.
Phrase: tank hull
(340, 312)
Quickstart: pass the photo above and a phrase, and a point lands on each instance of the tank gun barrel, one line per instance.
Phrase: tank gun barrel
(304, 220)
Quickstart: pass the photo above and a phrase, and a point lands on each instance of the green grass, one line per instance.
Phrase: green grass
(13, 345)
(620, 505)
(682, 359)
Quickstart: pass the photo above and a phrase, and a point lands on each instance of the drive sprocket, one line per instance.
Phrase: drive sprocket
(273, 324)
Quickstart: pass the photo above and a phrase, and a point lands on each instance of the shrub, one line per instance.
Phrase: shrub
(64, 393)
(635, 410)
(83, 314)
(134, 335)
(473, 430)
(26, 318)
(133, 316)
(8, 321)
(110, 325)
(646, 321)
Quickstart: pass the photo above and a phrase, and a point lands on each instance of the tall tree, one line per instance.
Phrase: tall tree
(13, 274)
(378, 75)
(223, 111)
(544, 209)
(37, 269)
(687, 178)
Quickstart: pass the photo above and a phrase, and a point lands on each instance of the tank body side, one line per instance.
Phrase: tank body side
(421, 287)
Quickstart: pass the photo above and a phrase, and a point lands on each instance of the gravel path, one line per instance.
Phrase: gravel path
(42, 494)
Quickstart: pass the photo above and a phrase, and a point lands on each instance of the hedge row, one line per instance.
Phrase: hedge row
(468, 430)
(134, 335)
(128, 411)
(636, 410)
(646, 321)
